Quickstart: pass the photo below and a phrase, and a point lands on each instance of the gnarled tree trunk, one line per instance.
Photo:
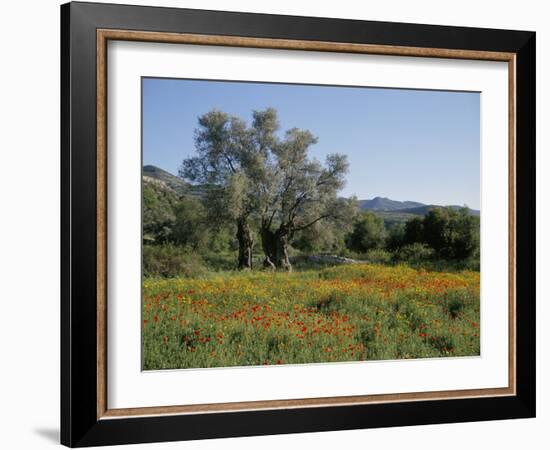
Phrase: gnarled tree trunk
(246, 245)
(275, 246)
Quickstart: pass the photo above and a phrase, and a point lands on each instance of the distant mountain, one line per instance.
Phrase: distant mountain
(390, 210)
(393, 211)
(424, 209)
(385, 204)
(171, 181)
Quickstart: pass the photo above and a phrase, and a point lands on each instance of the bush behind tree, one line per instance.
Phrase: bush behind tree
(414, 253)
(169, 261)
(453, 234)
(368, 233)
(189, 229)
(450, 234)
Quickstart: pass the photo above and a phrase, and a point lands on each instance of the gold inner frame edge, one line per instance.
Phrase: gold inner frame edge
(103, 36)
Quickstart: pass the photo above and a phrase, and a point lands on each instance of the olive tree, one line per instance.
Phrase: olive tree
(253, 175)
(229, 159)
(297, 192)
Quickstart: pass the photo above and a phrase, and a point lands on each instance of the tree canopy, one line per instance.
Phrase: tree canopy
(260, 176)
(229, 158)
(368, 233)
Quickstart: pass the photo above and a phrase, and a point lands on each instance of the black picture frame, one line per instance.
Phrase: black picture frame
(80, 425)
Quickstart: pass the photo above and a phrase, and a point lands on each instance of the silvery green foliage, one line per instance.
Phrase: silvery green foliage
(258, 176)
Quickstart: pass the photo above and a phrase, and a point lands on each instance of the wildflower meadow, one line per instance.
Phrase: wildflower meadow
(352, 312)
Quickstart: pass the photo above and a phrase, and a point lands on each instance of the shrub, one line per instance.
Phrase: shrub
(453, 234)
(189, 227)
(158, 212)
(169, 261)
(414, 253)
(379, 256)
(396, 236)
(368, 233)
(414, 231)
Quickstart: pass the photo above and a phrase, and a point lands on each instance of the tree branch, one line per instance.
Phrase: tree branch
(303, 227)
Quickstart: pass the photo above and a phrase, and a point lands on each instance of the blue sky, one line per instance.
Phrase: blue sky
(401, 144)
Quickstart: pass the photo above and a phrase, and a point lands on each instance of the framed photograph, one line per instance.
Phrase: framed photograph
(277, 224)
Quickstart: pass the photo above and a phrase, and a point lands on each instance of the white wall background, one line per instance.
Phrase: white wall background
(29, 223)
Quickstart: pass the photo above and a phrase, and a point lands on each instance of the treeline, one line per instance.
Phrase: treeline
(264, 195)
(181, 239)
(443, 234)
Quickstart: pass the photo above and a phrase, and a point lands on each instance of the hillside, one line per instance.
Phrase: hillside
(173, 182)
(423, 210)
(386, 204)
(392, 211)
(176, 184)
